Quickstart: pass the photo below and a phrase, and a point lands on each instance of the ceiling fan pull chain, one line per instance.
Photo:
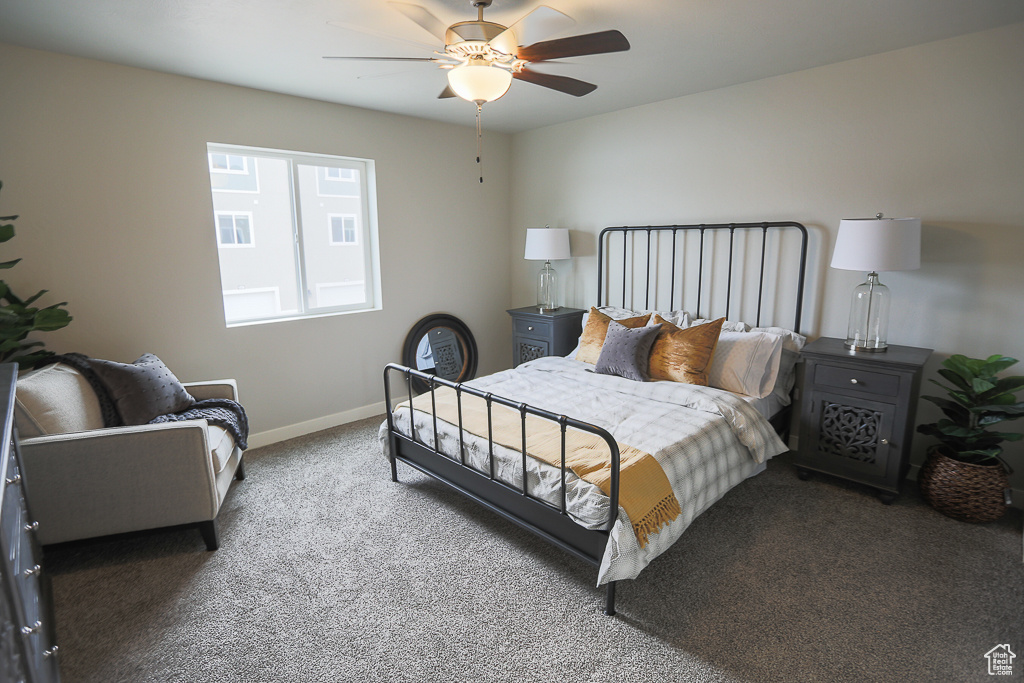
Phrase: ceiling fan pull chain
(479, 142)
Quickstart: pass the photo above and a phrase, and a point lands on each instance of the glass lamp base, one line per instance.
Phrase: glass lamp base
(869, 317)
(860, 346)
(546, 284)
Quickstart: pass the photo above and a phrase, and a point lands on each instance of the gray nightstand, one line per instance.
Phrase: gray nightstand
(535, 334)
(858, 413)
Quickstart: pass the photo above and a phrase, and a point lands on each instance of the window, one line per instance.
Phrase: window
(234, 229)
(343, 230)
(228, 163)
(332, 181)
(295, 269)
(334, 173)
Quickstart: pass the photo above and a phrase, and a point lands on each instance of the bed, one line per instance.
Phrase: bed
(513, 441)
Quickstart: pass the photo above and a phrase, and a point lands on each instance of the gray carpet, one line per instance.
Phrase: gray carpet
(328, 571)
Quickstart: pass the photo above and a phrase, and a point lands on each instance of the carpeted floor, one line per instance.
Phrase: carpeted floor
(328, 571)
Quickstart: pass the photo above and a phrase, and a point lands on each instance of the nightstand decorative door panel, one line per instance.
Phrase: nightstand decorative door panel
(528, 349)
(851, 436)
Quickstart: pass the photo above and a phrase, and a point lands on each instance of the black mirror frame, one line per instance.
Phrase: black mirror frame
(421, 328)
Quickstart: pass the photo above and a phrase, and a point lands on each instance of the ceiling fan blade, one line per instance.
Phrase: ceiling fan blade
(380, 34)
(537, 25)
(575, 46)
(570, 86)
(390, 59)
(446, 93)
(423, 18)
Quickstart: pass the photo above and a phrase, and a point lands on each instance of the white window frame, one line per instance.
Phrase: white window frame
(245, 163)
(366, 228)
(234, 214)
(330, 230)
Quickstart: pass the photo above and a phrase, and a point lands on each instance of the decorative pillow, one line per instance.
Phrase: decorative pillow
(613, 312)
(626, 351)
(142, 390)
(746, 363)
(597, 327)
(683, 355)
(680, 318)
(55, 399)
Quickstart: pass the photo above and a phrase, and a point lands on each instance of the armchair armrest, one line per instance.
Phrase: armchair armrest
(214, 388)
(109, 481)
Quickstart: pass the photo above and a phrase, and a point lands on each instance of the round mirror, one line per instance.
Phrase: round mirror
(441, 345)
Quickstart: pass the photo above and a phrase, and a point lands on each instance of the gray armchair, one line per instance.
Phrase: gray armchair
(86, 481)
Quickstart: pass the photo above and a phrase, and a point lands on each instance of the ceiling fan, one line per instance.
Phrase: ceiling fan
(482, 57)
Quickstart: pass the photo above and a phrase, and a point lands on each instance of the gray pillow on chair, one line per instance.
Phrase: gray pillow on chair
(142, 390)
(626, 351)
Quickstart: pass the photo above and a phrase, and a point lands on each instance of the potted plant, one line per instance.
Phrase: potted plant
(964, 476)
(19, 318)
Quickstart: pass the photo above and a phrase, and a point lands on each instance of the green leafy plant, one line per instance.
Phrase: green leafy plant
(977, 400)
(19, 318)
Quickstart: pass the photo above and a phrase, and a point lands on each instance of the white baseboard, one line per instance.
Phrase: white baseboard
(309, 426)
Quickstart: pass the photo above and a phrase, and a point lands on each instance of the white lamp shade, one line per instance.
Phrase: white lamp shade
(547, 244)
(878, 244)
(479, 83)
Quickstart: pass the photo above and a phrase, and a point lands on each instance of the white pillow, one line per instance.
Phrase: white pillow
(678, 318)
(55, 399)
(727, 326)
(746, 362)
(792, 343)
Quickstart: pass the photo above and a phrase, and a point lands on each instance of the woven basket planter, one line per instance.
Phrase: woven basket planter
(970, 493)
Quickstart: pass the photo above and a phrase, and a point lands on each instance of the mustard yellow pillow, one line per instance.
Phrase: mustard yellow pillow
(594, 333)
(684, 355)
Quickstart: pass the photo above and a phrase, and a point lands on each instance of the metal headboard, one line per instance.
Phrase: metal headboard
(643, 249)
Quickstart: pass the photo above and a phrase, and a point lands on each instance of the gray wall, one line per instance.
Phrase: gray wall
(933, 131)
(107, 166)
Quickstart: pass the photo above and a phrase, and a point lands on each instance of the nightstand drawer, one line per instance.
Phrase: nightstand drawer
(534, 328)
(878, 383)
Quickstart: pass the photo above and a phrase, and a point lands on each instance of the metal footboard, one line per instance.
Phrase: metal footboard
(516, 504)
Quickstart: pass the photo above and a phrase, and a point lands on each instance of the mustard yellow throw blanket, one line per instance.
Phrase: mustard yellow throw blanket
(644, 491)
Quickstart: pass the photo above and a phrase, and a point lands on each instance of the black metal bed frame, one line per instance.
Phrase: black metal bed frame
(517, 505)
(628, 281)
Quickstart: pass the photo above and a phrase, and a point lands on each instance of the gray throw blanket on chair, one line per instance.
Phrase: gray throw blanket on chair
(222, 412)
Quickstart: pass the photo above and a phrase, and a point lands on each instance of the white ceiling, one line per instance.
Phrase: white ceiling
(679, 47)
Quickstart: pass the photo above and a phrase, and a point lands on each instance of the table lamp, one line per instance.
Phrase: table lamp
(547, 244)
(874, 244)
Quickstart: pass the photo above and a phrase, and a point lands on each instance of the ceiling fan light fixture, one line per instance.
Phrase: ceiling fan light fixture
(479, 83)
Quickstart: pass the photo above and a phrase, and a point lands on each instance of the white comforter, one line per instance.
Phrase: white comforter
(707, 441)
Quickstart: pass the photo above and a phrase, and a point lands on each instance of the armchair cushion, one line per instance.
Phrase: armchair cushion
(142, 390)
(55, 399)
(221, 446)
